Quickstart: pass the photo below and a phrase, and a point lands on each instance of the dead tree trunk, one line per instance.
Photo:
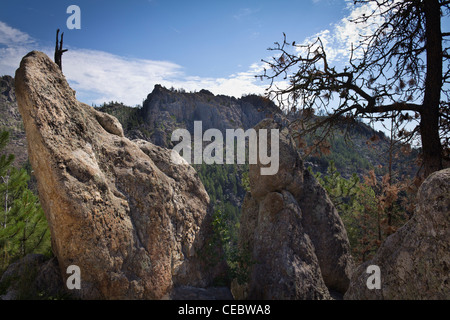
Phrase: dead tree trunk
(59, 49)
(429, 124)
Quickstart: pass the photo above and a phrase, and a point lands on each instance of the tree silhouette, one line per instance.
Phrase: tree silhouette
(59, 49)
(398, 72)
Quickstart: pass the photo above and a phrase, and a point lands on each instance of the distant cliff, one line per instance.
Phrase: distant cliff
(165, 110)
(11, 121)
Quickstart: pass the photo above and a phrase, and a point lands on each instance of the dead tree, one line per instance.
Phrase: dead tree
(401, 72)
(59, 49)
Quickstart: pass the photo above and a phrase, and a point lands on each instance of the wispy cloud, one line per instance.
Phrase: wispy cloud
(342, 36)
(234, 85)
(14, 44)
(99, 76)
(10, 36)
(244, 13)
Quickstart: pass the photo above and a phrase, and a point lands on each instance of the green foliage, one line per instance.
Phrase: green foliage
(370, 210)
(23, 283)
(27, 230)
(23, 227)
(225, 184)
(342, 192)
(245, 181)
(5, 161)
(357, 149)
(239, 260)
(346, 157)
(129, 117)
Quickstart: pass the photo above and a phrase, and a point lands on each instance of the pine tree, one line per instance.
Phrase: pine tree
(29, 230)
(23, 227)
(370, 210)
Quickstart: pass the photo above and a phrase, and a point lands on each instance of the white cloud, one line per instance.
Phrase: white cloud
(10, 59)
(111, 77)
(14, 44)
(234, 85)
(339, 39)
(99, 76)
(11, 36)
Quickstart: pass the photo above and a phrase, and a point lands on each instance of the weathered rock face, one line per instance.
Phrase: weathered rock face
(12, 122)
(414, 262)
(165, 110)
(119, 210)
(293, 233)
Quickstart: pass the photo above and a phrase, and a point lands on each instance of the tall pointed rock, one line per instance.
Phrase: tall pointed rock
(133, 222)
(296, 241)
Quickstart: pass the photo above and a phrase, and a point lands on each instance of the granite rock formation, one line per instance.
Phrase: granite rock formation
(293, 233)
(118, 209)
(165, 110)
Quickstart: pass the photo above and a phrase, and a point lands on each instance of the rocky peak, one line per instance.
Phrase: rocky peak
(158, 89)
(206, 92)
(165, 110)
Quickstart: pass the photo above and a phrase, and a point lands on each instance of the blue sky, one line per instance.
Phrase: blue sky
(124, 48)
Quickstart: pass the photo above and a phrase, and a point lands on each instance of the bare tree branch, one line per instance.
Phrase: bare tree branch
(398, 69)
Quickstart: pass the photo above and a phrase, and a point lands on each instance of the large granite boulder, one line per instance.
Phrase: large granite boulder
(133, 222)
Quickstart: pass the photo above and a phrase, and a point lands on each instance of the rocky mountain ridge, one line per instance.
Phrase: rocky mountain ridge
(165, 110)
